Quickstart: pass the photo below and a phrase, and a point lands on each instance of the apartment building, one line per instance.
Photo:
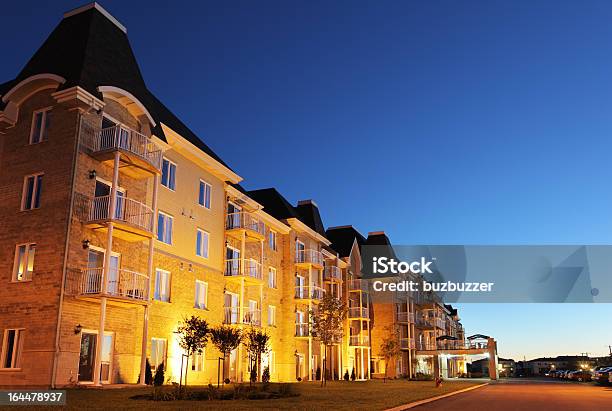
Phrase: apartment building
(119, 222)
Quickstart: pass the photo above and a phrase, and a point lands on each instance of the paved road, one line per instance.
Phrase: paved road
(528, 395)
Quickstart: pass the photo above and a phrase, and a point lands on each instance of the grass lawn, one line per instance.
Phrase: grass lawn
(339, 395)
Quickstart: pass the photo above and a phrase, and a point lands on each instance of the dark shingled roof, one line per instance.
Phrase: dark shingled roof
(89, 50)
(308, 213)
(274, 203)
(342, 239)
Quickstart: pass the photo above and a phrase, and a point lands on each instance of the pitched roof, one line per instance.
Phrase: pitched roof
(308, 213)
(89, 49)
(274, 203)
(342, 239)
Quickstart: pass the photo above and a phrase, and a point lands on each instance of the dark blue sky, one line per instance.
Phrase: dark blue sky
(440, 122)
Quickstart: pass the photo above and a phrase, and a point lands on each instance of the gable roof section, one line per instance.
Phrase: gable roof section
(89, 50)
(342, 239)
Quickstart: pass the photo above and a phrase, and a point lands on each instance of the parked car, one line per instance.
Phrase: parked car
(602, 376)
(580, 375)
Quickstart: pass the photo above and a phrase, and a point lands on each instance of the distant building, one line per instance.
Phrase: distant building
(543, 365)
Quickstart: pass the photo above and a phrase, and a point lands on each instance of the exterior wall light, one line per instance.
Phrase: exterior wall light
(77, 329)
(92, 174)
(85, 244)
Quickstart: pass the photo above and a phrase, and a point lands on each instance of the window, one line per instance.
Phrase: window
(164, 227)
(168, 178)
(197, 361)
(158, 352)
(271, 315)
(162, 285)
(272, 239)
(24, 262)
(41, 120)
(201, 294)
(271, 277)
(202, 243)
(204, 194)
(11, 348)
(32, 186)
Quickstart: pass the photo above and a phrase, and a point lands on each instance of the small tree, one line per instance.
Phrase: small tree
(327, 324)
(257, 345)
(226, 339)
(265, 377)
(193, 336)
(390, 348)
(346, 375)
(353, 374)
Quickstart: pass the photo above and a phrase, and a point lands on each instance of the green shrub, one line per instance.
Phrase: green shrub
(353, 376)
(265, 377)
(318, 374)
(346, 375)
(253, 375)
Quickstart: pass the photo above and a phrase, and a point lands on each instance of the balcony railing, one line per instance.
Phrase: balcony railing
(244, 220)
(252, 268)
(358, 285)
(302, 330)
(119, 137)
(309, 256)
(305, 292)
(120, 283)
(404, 317)
(424, 322)
(332, 273)
(358, 312)
(440, 323)
(450, 345)
(407, 343)
(127, 211)
(249, 316)
(360, 340)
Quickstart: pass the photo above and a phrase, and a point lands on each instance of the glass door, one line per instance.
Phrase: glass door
(87, 356)
(232, 256)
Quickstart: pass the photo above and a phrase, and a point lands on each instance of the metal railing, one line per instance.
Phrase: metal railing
(309, 256)
(440, 323)
(407, 343)
(358, 312)
(231, 315)
(120, 283)
(252, 268)
(332, 273)
(245, 220)
(120, 137)
(358, 285)
(305, 292)
(404, 317)
(359, 340)
(302, 330)
(450, 345)
(127, 210)
(424, 321)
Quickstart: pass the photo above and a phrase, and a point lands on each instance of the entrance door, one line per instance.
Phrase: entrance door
(87, 356)
(103, 189)
(300, 288)
(231, 308)
(113, 275)
(299, 366)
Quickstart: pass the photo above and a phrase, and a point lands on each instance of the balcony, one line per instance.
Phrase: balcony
(249, 316)
(245, 224)
(305, 292)
(358, 285)
(249, 270)
(440, 323)
(132, 220)
(451, 345)
(302, 330)
(407, 343)
(140, 157)
(423, 322)
(306, 258)
(404, 317)
(359, 340)
(124, 285)
(358, 313)
(332, 274)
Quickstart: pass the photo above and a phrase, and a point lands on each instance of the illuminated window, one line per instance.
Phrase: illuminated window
(158, 353)
(162, 285)
(197, 361)
(271, 277)
(24, 262)
(272, 239)
(201, 294)
(164, 227)
(271, 315)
